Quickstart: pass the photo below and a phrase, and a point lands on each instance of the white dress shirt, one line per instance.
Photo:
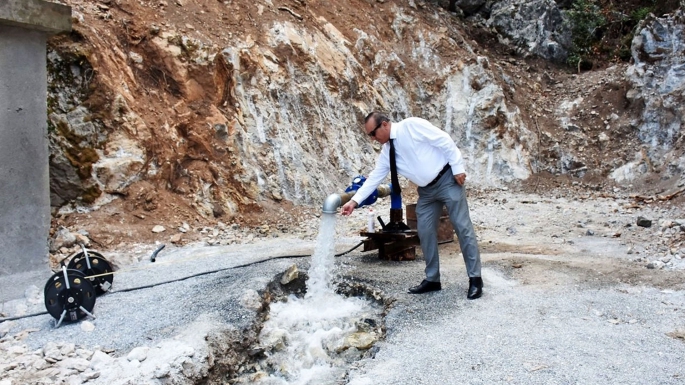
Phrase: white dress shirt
(421, 151)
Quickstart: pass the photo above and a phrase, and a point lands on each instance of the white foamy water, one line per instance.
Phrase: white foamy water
(304, 338)
(323, 260)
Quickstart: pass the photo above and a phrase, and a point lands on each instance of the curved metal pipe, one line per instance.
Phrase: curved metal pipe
(333, 201)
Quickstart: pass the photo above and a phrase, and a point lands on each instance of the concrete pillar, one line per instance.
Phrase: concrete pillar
(24, 187)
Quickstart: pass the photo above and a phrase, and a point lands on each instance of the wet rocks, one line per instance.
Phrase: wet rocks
(360, 340)
(290, 275)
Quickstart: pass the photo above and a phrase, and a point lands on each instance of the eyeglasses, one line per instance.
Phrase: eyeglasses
(373, 132)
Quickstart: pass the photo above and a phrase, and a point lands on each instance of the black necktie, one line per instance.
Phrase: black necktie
(393, 170)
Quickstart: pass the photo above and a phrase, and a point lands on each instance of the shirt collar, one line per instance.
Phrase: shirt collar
(393, 131)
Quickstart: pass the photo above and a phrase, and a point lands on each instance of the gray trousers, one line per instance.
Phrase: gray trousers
(428, 210)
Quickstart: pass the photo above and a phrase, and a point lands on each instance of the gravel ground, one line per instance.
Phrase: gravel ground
(126, 316)
(566, 301)
(560, 306)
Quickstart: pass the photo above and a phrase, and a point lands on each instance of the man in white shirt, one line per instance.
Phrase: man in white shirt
(424, 154)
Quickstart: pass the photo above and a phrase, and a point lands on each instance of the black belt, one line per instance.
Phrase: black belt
(440, 174)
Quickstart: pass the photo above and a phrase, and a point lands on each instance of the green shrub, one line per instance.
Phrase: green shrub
(641, 13)
(587, 24)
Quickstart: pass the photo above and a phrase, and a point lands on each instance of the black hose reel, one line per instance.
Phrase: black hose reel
(71, 292)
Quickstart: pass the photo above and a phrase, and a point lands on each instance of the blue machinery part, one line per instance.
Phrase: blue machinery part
(333, 201)
(396, 213)
(397, 241)
(358, 181)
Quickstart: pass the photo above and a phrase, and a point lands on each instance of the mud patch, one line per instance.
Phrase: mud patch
(558, 272)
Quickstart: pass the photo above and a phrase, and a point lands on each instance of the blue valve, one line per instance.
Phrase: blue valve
(357, 182)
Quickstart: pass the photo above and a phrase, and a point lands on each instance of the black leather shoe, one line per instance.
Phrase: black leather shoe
(425, 287)
(475, 288)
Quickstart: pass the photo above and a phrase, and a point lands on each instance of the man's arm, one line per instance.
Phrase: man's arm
(374, 179)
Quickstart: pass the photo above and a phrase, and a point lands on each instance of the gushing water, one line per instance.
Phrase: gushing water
(321, 269)
(306, 339)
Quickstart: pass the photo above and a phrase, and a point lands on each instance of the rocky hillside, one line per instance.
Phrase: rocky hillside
(185, 113)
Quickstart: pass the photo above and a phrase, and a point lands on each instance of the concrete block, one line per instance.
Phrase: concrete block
(24, 190)
(37, 15)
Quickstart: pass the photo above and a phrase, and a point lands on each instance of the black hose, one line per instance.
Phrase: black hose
(154, 254)
(188, 277)
(227, 268)
(22, 316)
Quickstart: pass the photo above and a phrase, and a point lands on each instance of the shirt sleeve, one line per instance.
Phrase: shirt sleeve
(375, 177)
(441, 140)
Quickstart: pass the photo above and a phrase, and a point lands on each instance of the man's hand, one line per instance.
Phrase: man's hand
(460, 178)
(348, 207)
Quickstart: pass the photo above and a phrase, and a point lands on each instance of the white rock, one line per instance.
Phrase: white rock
(78, 364)
(139, 353)
(274, 339)
(8, 367)
(603, 137)
(49, 372)
(84, 353)
(162, 371)
(40, 364)
(119, 165)
(89, 375)
(188, 351)
(82, 240)
(251, 300)
(17, 350)
(100, 360)
(51, 351)
(64, 372)
(158, 229)
(87, 326)
(360, 340)
(63, 238)
(67, 349)
(136, 58)
(290, 275)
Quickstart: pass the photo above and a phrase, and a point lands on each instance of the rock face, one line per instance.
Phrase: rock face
(535, 27)
(229, 114)
(658, 81)
(272, 113)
